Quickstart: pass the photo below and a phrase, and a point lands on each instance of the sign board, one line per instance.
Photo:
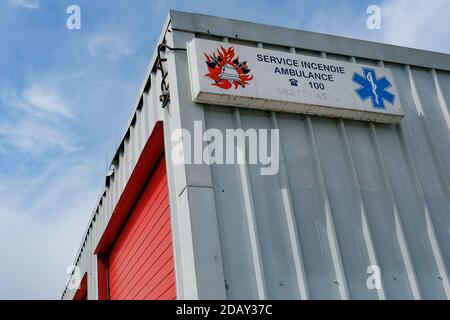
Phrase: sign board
(228, 74)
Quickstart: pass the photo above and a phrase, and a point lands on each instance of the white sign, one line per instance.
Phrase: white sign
(229, 74)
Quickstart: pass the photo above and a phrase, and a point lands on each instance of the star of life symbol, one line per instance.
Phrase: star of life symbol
(373, 88)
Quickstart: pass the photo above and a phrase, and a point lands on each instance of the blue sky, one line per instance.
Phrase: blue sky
(66, 94)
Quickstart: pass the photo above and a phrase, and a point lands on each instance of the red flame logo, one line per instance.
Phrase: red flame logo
(226, 70)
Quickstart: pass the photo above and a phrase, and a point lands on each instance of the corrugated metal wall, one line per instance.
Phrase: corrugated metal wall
(348, 195)
(357, 194)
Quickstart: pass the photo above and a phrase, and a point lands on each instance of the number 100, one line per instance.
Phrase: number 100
(317, 85)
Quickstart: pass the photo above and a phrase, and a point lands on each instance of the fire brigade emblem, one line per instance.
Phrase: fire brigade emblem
(227, 71)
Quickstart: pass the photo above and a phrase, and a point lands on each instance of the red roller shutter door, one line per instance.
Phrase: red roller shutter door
(140, 263)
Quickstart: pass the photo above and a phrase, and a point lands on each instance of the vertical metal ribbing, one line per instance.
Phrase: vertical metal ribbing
(138, 127)
(289, 215)
(368, 239)
(90, 271)
(404, 249)
(112, 187)
(105, 217)
(131, 150)
(440, 96)
(365, 222)
(101, 219)
(134, 144)
(291, 222)
(445, 112)
(437, 253)
(124, 165)
(126, 160)
(430, 226)
(436, 157)
(94, 273)
(251, 220)
(110, 196)
(96, 221)
(127, 150)
(146, 111)
(121, 167)
(434, 242)
(118, 176)
(250, 216)
(92, 259)
(331, 232)
(113, 195)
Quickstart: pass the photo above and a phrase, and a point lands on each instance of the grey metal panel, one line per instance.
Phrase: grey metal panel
(240, 280)
(278, 262)
(309, 211)
(393, 166)
(434, 184)
(345, 205)
(380, 211)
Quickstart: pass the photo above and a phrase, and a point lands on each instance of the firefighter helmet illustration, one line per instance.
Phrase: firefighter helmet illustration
(226, 70)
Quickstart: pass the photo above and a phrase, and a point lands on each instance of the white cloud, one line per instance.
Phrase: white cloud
(40, 232)
(35, 124)
(47, 188)
(112, 47)
(410, 23)
(417, 23)
(34, 137)
(10, 99)
(27, 4)
(45, 99)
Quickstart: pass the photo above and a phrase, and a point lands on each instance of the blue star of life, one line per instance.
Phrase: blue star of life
(373, 88)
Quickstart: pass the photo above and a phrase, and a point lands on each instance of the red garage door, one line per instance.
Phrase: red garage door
(141, 260)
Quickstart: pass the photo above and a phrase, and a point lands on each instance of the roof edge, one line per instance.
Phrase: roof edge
(287, 37)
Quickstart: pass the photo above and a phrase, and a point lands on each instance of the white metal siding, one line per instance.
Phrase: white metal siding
(382, 189)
